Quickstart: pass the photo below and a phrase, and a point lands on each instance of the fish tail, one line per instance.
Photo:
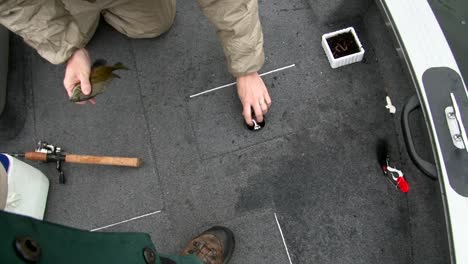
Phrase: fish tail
(119, 66)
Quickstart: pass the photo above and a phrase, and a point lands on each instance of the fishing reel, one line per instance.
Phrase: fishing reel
(44, 147)
(54, 153)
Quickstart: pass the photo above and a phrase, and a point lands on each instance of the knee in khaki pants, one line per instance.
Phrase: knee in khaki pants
(141, 18)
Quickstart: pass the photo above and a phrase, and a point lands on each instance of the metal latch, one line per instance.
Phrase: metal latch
(455, 125)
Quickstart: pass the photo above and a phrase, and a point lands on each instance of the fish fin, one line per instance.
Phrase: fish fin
(76, 90)
(99, 62)
(119, 66)
(76, 93)
(81, 99)
(115, 75)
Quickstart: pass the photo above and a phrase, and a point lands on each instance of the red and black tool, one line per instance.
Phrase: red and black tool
(394, 175)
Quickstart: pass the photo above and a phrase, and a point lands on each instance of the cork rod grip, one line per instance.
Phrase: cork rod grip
(102, 160)
(36, 156)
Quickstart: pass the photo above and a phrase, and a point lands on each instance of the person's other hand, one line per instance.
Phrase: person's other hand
(77, 72)
(253, 95)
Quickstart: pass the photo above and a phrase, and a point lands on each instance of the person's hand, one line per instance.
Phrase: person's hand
(253, 95)
(77, 72)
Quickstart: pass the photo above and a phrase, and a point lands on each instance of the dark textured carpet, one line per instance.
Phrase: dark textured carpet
(13, 116)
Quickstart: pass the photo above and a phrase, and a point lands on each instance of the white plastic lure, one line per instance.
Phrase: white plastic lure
(391, 108)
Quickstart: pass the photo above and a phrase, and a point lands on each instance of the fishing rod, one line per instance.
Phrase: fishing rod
(49, 153)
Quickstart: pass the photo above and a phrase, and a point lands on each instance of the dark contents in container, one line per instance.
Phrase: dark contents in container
(342, 45)
(256, 125)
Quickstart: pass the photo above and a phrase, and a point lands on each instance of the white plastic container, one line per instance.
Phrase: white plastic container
(352, 58)
(27, 188)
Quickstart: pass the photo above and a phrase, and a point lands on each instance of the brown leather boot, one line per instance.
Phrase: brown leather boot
(214, 246)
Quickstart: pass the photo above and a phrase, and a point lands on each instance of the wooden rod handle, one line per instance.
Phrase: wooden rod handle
(35, 156)
(102, 160)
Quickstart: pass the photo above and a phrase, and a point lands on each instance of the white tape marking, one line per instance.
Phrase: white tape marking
(234, 83)
(284, 241)
(125, 221)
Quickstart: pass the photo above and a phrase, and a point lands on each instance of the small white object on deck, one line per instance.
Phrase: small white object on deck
(391, 108)
(284, 241)
(234, 83)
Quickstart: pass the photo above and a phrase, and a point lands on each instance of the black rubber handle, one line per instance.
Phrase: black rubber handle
(425, 166)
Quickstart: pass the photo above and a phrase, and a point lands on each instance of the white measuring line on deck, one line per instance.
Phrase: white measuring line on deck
(234, 83)
(284, 241)
(125, 221)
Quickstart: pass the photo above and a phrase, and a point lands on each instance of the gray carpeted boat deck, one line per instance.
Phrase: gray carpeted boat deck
(313, 165)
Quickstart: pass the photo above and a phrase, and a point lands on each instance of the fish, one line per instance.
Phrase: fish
(100, 77)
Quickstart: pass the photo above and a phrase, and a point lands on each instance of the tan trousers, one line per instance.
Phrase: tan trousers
(133, 18)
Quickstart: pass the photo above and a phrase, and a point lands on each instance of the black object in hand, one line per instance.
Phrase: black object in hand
(256, 125)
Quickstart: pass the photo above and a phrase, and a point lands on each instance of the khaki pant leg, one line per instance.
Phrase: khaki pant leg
(141, 18)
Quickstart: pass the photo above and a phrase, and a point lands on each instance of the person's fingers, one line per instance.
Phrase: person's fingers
(247, 113)
(258, 112)
(267, 99)
(69, 89)
(264, 106)
(68, 84)
(85, 84)
(80, 103)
